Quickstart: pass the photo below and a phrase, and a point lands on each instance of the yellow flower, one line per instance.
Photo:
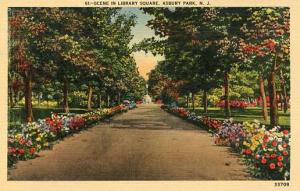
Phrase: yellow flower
(18, 136)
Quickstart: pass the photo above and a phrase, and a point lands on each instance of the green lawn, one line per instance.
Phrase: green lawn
(248, 114)
(16, 115)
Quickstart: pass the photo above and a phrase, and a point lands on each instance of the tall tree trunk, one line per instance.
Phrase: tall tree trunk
(279, 94)
(273, 97)
(65, 96)
(28, 97)
(193, 101)
(284, 94)
(90, 94)
(263, 98)
(119, 98)
(204, 102)
(99, 97)
(10, 94)
(108, 101)
(187, 101)
(15, 98)
(39, 100)
(226, 90)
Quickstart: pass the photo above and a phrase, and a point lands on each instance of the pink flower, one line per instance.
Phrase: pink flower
(280, 164)
(285, 153)
(263, 161)
(272, 166)
(274, 143)
(285, 132)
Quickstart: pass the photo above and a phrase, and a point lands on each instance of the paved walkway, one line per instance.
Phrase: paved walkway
(143, 144)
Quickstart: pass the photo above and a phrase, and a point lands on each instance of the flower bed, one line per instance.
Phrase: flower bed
(209, 124)
(29, 139)
(236, 104)
(266, 152)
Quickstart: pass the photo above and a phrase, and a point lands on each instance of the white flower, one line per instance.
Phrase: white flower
(280, 148)
(286, 174)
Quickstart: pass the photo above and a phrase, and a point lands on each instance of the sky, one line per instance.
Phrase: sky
(145, 62)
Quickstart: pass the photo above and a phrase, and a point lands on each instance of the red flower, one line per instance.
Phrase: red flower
(285, 132)
(274, 143)
(280, 158)
(280, 164)
(273, 155)
(21, 151)
(272, 166)
(248, 152)
(32, 150)
(263, 161)
(266, 139)
(284, 145)
(285, 153)
(270, 44)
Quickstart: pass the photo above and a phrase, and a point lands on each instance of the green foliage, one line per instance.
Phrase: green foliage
(72, 48)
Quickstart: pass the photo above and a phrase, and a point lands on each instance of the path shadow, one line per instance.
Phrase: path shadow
(143, 125)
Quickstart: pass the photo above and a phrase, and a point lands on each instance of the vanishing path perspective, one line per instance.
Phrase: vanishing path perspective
(143, 144)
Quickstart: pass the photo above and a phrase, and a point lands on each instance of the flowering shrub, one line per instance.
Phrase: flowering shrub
(212, 124)
(235, 104)
(266, 152)
(230, 134)
(205, 122)
(100, 114)
(27, 140)
(19, 148)
(76, 123)
(180, 111)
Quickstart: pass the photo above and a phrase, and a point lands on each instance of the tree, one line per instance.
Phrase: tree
(267, 40)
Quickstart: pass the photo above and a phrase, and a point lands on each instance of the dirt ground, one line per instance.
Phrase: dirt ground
(143, 144)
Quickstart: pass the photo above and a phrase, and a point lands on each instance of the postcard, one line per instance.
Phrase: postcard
(149, 95)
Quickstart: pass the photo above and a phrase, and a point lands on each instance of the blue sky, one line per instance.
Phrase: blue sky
(145, 62)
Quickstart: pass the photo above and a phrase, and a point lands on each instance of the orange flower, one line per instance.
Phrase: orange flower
(32, 150)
